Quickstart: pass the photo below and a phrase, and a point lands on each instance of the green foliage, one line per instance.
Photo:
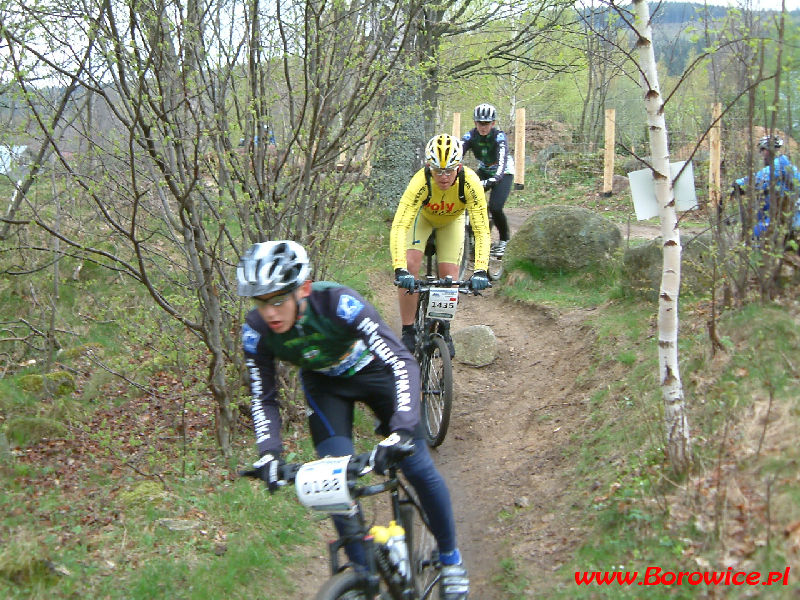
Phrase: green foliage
(57, 383)
(396, 158)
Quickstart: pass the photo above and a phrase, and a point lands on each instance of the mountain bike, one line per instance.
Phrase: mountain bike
(407, 569)
(438, 300)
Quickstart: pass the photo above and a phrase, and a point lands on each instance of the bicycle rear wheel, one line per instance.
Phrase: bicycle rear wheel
(437, 390)
(423, 552)
(495, 269)
(467, 254)
(347, 585)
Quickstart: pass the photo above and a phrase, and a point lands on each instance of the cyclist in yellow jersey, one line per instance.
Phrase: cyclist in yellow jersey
(435, 201)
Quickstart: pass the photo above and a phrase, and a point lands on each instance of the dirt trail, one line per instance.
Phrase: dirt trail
(511, 424)
(510, 429)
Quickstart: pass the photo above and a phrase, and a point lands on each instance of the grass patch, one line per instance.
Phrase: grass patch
(513, 581)
(630, 527)
(530, 283)
(361, 248)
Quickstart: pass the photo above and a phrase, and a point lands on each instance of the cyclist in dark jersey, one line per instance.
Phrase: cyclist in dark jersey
(495, 167)
(346, 353)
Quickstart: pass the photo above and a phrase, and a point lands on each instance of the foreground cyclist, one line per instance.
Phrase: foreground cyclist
(435, 200)
(346, 353)
(489, 144)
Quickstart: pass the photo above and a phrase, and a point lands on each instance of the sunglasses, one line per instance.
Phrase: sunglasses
(483, 122)
(438, 171)
(274, 301)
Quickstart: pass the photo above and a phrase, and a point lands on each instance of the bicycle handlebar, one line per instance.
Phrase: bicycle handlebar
(464, 286)
(358, 466)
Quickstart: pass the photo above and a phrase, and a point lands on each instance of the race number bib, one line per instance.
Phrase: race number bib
(322, 485)
(442, 303)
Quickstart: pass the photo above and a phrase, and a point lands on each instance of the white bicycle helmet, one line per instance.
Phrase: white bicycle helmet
(764, 142)
(484, 112)
(270, 267)
(444, 151)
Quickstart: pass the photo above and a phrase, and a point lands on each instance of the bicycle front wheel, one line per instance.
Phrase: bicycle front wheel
(423, 552)
(347, 585)
(437, 390)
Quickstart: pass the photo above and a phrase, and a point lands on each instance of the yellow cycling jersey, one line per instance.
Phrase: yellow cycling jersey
(442, 208)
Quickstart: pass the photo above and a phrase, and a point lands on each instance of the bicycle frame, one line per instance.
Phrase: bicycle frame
(495, 268)
(433, 356)
(427, 326)
(404, 506)
(405, 510)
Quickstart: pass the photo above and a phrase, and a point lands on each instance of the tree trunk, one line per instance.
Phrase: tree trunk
(675, 420)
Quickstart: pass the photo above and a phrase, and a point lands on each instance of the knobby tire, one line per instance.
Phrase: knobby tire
(347, 582)
(437, 391)
(466, 254)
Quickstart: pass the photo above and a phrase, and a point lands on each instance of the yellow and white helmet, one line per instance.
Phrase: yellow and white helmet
(444, 151)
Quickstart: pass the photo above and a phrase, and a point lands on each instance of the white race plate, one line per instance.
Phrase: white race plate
(442, 303)
(322, 485)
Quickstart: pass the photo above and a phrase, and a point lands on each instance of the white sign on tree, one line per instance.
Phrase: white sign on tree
(644, 192)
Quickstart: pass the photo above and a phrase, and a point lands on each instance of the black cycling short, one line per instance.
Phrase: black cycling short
(332, 400)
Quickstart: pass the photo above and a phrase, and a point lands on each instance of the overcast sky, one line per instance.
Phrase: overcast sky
(757, 4)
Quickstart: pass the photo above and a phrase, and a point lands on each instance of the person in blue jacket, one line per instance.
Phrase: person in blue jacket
(786, 181)
(346, 353)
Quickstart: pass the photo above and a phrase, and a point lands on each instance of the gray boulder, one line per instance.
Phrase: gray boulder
(476, 345)
(564, 238)
(641, 266)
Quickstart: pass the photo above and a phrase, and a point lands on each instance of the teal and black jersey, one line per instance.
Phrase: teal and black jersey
(491, 151)
(338, 335)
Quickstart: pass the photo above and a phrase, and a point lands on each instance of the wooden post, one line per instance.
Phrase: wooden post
(519, 149)
(457, 125)
(608, 171)
(367, 159)
(714, 155)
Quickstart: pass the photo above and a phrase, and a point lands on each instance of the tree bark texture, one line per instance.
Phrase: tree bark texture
(675, 420)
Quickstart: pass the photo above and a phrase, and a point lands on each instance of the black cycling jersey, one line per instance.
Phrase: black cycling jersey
(491, 151)
(495, 168)
(338, 335)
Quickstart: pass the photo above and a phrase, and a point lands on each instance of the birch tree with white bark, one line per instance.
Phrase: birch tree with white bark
(676, 423)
